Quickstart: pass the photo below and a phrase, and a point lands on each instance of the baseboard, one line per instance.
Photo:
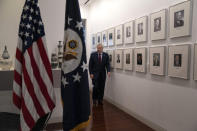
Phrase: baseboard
(138, 117)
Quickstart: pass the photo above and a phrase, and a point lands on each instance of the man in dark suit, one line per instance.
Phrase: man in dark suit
(98, 65)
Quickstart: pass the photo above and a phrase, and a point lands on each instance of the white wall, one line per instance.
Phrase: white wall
(53, 16)
(162, 102)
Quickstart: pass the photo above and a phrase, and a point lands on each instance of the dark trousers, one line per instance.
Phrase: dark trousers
(98, 89)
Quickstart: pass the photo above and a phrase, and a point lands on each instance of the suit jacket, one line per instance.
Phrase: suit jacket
(96, 68)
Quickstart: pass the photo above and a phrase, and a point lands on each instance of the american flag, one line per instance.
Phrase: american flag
(33, 83)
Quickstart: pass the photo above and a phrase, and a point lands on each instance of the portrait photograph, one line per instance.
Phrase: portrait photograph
(140, 59)
(118, 59)
(104, 38)
(178, 61)
(111, 57)
(157, 60)
(195, 61)
(93, 41)
(128, 33)
(158, 25)
(180, 19)
(141, 29)
(98, 38)
(110, 37)
(119, 34)
(128, 59)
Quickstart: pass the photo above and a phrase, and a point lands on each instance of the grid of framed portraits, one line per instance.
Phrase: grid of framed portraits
(128, 33)
(158, 25)
(195, 62)
(93, 41)
(111, 57)
(119, 34)
(180, 19)
(110, 37)
(178, 61)
(118, 59)
(141, 29)
(140, 59)
(98, 38)
(104, 38)
(128, 59)
(157, 60)
(180, 24)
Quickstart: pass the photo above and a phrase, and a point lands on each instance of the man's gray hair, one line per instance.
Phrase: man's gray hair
(99, 45)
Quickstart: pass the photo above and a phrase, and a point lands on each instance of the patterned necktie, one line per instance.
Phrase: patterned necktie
(99, 58)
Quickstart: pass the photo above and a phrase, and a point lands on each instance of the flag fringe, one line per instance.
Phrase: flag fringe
(81, 125)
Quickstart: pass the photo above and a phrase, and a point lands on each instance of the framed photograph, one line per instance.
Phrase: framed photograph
(111, 57)
(118, 59)
(119, 35)
(158, 25)
(128, 33)
(180, 19)
(157, 60)
(128, 59)
(98, 38)
(195, 62)
(110, 37)
(93, 41)
(104, 38)
(178, 61)
(141, 29)
(140, 59)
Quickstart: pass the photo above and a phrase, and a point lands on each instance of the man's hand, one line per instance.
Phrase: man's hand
(91, 76)
(108, 73)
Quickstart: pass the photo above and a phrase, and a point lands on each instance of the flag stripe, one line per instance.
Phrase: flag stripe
(23, 125)
(18, 66)
(44, 57)
(19, 44)
(17, 89)
(31, 91)
(17, 100)
(17, 78)
(49, 95)
(27, 116)
(39, 79)
(18, 55)
(29, 103)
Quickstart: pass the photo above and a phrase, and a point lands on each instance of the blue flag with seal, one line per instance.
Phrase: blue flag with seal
(74, 78)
